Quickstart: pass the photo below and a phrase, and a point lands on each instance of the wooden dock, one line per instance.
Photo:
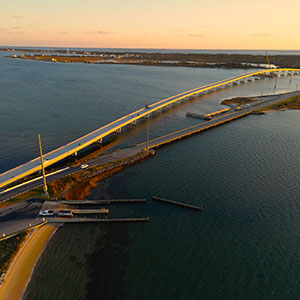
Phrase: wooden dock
(90, 211)
(198, 116)
(94, 220)
(102, 202)
(190, 206)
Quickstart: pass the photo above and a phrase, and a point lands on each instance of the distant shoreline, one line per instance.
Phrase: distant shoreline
(194, 60)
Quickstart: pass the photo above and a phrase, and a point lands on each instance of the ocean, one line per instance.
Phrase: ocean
(246, 243)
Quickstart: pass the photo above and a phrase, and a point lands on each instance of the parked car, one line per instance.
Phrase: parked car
(83, 166)
(46, 212)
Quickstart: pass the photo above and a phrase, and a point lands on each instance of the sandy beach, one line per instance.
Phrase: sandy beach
(20, 271)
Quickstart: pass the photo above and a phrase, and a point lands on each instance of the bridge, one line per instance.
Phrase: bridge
(97, 135)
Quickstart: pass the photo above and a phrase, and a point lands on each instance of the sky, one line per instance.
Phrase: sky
(170, 24)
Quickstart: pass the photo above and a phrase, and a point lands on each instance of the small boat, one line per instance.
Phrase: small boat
(65, 213)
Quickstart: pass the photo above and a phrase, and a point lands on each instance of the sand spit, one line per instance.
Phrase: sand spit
(20, 271)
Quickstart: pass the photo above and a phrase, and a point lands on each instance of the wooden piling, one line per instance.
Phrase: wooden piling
(190, 206)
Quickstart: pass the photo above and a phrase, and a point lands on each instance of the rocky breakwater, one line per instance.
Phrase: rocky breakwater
(78, 186)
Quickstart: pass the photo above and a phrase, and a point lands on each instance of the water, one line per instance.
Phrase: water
(245, 245)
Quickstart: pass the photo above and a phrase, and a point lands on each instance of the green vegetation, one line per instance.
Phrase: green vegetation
(239, 100)
(36, 193)
(9, 248)
(291, 103)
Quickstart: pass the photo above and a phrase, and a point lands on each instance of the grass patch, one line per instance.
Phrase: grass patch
(291, 103)
(36, 193)
(239, 100)
(9, 248)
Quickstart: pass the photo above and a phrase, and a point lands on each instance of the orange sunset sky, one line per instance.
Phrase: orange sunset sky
(189, 24)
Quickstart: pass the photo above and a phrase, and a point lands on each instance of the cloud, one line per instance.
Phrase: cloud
(146, 33)
(180, 30)
(260, 34)
(196, 35)
(15, 27)
(18, 17)
(64, 32)
(99, 32)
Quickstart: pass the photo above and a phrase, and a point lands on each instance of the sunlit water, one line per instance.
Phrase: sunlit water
(245, 245)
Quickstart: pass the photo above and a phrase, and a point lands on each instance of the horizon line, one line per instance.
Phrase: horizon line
(148, 48)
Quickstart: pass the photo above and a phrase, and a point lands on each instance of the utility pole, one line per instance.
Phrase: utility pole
(268, 60)
(148, 135)
(275, 85)
(43, 170)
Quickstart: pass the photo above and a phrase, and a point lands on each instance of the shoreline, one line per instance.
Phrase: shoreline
(157, 58)
(22, 267)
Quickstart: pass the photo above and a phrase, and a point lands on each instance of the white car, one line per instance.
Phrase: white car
(46, 212)
(83, 166)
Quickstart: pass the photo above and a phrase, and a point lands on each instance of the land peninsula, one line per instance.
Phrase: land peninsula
(193, 60)
(290, 103)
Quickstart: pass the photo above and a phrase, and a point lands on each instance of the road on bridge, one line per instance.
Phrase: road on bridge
(97, 135)
(126, 152)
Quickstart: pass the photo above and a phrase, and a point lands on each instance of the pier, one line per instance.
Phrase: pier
(190, 206)
(90, 211)
(102, 202)
(94, 220)
(197, 116)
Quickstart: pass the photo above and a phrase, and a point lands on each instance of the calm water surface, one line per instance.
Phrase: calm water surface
(245, 245)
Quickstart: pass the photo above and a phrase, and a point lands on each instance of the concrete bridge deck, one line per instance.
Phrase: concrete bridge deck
(73, 147)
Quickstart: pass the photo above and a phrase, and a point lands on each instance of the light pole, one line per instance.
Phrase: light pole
(275, 85)
(43, 170)
(148, 135)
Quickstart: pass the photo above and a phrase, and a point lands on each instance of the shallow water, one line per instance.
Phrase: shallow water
(245, 245)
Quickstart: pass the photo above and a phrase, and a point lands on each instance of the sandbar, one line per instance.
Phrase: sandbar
(20, 271)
